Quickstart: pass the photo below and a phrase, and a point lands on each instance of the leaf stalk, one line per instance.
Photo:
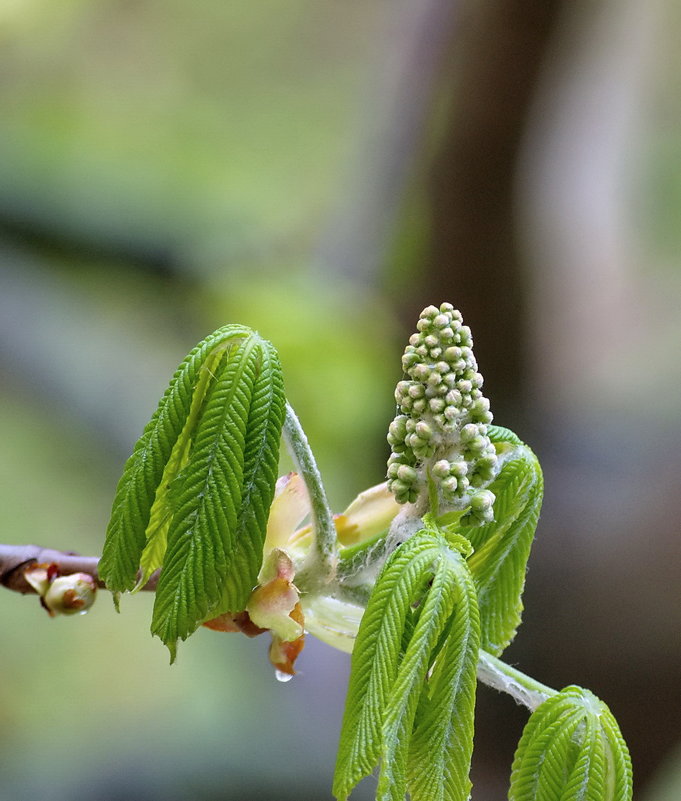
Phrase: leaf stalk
(524, 690)
(322, 560)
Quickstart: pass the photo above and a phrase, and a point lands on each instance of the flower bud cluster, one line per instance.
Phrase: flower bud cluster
(440, 430)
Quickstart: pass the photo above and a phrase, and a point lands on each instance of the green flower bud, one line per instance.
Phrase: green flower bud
(420, 372)
(480, 406)
(441, 469)
(398, 427)
(406, 474)
(398, 486)
(409, 360)
(451, 413)
(477, 444)
(450, 485)
(482, 501)
(465, 334)
(414, 441)
(393, 470)
(423, 430)
(469, 432)
(453, 397)
(401, 390)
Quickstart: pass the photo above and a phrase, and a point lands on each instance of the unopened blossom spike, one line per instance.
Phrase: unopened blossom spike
(440, 430)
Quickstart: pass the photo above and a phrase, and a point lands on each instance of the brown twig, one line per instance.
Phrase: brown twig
(16, 559)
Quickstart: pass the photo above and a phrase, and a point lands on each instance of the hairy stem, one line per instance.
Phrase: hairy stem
(522, 688)
(320, 565)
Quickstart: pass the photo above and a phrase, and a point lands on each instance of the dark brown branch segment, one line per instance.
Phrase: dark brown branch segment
(16, 559)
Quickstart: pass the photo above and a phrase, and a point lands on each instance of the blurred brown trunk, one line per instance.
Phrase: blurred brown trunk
(488, 85)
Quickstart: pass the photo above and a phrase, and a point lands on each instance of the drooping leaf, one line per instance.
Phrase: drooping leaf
(442, 742)
(195, 494)
(571, 750)
(143, 473)
(434, 613)
(376, 657)
(502, 547)
(261, 459)
(421, 618)
(216, 537)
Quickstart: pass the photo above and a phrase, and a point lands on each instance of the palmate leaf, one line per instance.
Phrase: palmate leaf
(571, 750)
(502, 547)
(421, 615)
(195, 494)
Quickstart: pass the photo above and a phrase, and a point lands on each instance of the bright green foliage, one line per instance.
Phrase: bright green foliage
(571, 750)
(502, 547)
(195, 494)
(422, 616)
(441, 744)
(195, 498)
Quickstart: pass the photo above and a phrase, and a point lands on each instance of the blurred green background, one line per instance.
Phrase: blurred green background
(320, 171)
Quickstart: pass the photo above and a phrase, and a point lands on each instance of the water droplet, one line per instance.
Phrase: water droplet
(281, 676)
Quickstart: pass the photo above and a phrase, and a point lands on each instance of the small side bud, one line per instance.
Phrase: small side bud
(70, 595)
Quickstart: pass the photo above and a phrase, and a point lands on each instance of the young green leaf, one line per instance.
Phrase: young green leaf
(571, 750)
(212, 450)
(434, 614)
(376, 657)
(421, 617)
(442, 742)
(142, 478)
(502, 547)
